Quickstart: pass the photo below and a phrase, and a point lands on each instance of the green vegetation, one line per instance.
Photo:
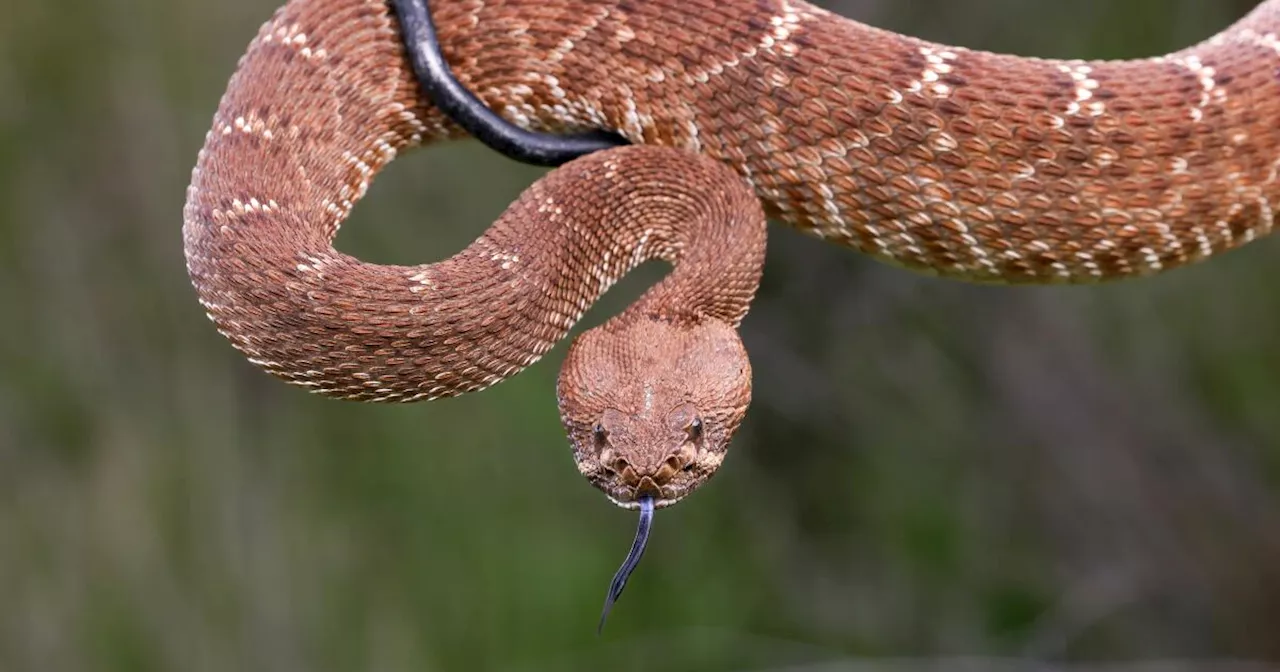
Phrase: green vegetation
(929, 468)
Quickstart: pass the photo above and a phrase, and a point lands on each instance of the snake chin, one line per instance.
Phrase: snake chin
(651, 405)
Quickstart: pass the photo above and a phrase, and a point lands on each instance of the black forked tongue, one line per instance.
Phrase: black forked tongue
(633, 559)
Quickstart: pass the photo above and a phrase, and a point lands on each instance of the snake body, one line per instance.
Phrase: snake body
(961, 163)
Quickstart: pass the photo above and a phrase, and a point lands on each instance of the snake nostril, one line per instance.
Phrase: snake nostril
(620, 465)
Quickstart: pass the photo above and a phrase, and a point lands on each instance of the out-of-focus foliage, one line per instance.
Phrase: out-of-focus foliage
(929, 470)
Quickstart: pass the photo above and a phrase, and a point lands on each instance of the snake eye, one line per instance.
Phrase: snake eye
(598, 432)
(695, 429)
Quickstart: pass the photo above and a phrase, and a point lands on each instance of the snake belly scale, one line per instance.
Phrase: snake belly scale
(964, 164)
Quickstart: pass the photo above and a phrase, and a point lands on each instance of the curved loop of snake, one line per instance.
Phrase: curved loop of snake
(966, 164)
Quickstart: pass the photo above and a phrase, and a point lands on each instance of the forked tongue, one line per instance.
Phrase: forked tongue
(633, 559)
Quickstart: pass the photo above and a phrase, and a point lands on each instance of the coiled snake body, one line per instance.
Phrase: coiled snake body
(966, 164)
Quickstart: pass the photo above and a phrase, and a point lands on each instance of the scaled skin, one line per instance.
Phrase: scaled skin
(642, 421)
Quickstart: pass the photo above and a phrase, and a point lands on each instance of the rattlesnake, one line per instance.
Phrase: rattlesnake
(960, 163)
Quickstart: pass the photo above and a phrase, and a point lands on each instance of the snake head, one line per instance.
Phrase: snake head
(650, 405)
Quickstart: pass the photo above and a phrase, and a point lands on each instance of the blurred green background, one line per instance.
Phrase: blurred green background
(933, 475)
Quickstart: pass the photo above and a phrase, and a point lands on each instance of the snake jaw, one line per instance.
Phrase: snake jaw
(633, 504)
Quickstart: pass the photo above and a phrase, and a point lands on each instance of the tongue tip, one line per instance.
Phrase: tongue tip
(633, 560)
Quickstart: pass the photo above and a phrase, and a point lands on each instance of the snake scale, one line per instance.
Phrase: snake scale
(965, 164)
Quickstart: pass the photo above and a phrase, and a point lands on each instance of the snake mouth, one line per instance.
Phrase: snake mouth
(629, 496)
(633, 501)
(626, 491)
